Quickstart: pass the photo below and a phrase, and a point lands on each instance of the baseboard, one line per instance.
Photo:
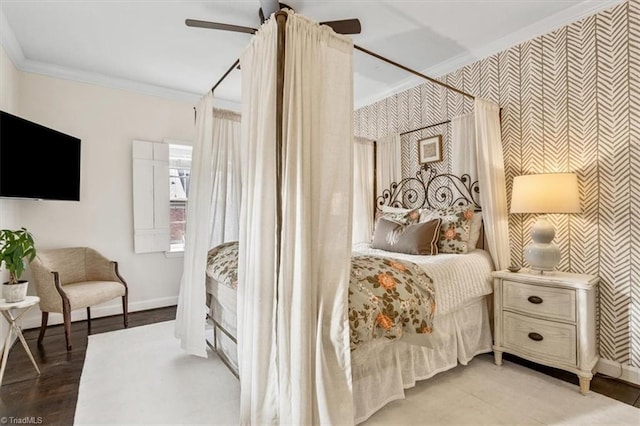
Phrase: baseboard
(615, 370)
(33, 317)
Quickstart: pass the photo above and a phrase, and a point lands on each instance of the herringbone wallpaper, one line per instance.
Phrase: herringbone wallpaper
(570, 102)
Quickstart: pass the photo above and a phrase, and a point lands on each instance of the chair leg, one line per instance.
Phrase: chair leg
(125, 310)
(66, 315)
(88, 320)
(43, 326)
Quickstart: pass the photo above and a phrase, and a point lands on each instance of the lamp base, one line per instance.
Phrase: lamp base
(542, 254)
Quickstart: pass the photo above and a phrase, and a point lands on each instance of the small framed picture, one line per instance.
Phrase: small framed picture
(430, 149)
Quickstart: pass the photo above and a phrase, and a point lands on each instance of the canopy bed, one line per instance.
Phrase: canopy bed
(297, 357)
(383, 363)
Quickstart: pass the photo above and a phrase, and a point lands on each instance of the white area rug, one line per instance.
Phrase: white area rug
(141, 376)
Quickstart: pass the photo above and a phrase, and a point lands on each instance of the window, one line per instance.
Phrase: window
(179, 177)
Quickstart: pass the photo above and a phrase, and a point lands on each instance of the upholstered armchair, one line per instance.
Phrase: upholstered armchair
(67, 279)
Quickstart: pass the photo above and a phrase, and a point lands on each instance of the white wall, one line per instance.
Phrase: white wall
(9, 82)
(106, 120)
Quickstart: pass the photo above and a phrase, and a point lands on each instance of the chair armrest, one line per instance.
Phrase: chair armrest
(45, 281)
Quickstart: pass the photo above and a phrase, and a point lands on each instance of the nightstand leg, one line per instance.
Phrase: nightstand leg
(584, 385)
(498, 357)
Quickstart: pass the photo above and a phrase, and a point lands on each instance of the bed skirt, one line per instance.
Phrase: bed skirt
(382, 370)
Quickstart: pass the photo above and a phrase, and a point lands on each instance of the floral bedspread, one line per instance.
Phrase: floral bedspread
(387, 297)
(222, 264)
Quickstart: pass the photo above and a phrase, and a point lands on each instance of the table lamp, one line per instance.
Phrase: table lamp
(544, 193)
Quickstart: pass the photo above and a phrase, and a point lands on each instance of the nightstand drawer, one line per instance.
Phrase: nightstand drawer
(549, 302)
(540, 338)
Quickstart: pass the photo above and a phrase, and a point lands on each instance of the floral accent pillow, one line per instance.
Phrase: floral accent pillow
(455, 229)
(400, 216)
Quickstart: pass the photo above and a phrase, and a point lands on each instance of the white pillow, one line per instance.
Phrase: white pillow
(389, 209)
(474, 232)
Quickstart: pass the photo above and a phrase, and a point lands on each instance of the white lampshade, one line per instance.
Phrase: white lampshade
(545, 193)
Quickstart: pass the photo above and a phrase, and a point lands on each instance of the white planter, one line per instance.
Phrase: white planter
(14, 292)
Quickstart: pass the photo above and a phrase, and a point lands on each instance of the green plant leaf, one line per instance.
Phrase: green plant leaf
(15, 246)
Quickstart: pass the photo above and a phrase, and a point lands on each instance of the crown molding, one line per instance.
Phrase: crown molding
(51, 70)
(545, 26)
(10, 42)
(94, 78)
(56, 71)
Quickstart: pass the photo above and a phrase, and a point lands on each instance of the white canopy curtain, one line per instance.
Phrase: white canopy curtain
(362, 190)
(225, 200)
(257, 257)
(388, 162)
(477, 151)
(464, 155)
(191, 311)
(493, 197)
(213, 213)
(293, 328)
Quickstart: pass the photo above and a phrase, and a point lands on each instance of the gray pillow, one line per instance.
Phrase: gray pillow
(417, 238)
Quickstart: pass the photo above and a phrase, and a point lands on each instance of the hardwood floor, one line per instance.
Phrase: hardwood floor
(51, 398)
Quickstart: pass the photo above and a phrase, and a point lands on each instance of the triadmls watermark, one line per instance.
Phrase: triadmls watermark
(25, 420)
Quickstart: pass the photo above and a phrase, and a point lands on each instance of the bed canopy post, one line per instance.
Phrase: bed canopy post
(375, 176)
(281, 19)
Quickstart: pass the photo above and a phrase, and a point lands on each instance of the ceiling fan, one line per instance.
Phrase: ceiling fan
(344, 26)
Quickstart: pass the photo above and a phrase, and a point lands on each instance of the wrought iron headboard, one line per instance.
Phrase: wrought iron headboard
(430, 189)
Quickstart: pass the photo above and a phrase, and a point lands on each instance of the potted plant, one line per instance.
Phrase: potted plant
(15, 246)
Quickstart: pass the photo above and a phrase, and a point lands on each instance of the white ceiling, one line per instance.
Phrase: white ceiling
(145, 46)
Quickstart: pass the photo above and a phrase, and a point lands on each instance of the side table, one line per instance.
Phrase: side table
(8, 314)
(549, 319)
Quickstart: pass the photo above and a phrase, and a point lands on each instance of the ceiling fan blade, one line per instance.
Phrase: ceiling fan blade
(219, 26)
(345, 26)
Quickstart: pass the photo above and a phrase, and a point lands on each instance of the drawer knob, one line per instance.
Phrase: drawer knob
(535, 336)
(535, 300)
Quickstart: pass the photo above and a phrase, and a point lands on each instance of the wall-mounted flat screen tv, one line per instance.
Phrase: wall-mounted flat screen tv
(37, 162)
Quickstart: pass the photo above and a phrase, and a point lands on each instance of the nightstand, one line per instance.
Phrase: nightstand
(549, 319)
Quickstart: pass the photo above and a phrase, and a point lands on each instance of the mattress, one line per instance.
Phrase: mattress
(222, 308)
